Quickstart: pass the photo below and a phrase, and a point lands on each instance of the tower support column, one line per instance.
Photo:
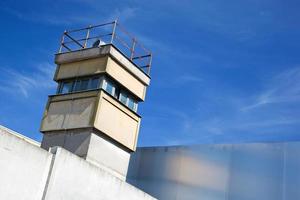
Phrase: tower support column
(92, 146)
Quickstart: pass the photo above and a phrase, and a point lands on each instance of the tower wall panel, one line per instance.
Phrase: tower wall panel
(117, 121)
(69, 114)
(125, 78)
(81, 68)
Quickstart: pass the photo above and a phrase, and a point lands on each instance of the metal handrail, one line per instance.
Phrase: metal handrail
(142, 58)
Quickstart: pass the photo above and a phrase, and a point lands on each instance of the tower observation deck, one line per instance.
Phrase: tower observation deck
(111, 33)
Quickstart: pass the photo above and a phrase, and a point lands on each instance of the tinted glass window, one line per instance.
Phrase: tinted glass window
(67, 87)
(135, 106)
(77, 86)
(109, 88)
(123, 98)
(84, 84)
(94, 83)
(117, 92)
(59, 89)
(131, 104)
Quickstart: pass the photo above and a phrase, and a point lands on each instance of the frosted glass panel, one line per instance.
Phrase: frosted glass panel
(258, 171)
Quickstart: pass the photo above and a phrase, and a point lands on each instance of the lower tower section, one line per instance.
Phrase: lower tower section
(94, 147)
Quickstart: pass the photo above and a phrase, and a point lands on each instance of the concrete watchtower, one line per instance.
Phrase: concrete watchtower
(102, 74)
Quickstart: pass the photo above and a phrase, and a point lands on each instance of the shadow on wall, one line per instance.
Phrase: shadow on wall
(218, 172)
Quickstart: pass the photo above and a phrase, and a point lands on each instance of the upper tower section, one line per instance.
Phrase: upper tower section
(105, 48)
(102, 74)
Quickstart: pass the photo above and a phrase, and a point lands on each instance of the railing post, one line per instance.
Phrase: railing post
(149, 64)
(132, 48)
(62, 42)
(87, 36)
(113, 31)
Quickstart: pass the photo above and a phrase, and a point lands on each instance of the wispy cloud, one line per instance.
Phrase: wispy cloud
(190, 78)
(267, 123)
(222, 116)
(16, 82)
(282, 88)
(123, 14)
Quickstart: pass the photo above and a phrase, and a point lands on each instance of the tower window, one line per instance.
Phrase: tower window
(81, 85)
(95, 82)
(123, 98)
(66, 87)
(84, 84)
(128, 100)
(109, 87)
(130, 103)
(77, 86)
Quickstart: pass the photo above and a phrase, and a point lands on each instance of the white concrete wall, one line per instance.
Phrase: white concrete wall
(74, 178)
(267, 171)
(24, 168)
(28, 172)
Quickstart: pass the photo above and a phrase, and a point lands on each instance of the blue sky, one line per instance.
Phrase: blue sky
(223, 71)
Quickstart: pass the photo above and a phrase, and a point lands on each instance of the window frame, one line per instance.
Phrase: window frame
(105, 84)
(123, 94)
(128, 99)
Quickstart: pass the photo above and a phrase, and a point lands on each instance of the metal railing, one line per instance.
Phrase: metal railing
(108, 33)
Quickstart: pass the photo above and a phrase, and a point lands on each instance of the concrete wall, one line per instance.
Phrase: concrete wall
(268, 171)
(214, 172)
(74, 178)
(24, 168)
(28, 172)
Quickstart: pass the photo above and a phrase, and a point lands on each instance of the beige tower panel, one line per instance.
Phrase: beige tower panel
(56, 115)
(68, 114)
(81, 68)
(81, 113)
(117, 121)
(125, 78)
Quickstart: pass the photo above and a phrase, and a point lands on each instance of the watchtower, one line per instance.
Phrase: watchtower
(102, 74)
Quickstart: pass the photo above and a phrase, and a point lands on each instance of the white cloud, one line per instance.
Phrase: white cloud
(282, 88)
(123, 14)
(186, 78)
(16, 82)
(221, 114)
